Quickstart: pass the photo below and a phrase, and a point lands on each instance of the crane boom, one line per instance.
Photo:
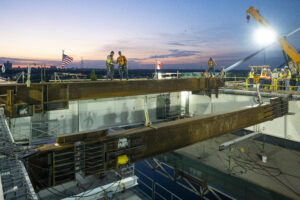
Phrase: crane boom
(282, 42)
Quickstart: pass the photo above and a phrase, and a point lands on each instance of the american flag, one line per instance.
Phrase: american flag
(66, 60)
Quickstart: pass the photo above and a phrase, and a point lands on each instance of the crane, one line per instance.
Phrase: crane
(281, 40)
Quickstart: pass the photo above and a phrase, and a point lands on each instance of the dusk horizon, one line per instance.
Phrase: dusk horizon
(181, 35)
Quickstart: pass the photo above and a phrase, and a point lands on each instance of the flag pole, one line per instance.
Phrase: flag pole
(62, 57)
(155, 66)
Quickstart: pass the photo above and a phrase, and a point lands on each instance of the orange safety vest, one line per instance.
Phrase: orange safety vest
(263, 75)
(121, 60)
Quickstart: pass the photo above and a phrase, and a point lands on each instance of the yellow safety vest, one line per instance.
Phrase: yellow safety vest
(251, 74)
(281, 76)
(289, 75)
(109, 59)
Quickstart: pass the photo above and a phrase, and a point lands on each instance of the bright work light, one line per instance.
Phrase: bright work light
(265, 36)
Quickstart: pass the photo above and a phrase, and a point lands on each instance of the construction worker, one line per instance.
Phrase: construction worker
(281, 79)
(122, 65)
(251, 78)
(274, 79)
(110, 67)
(222, 74)
(262, 79)
(287, 78)
(211, 67)
(268, 78)
(298, 81)
(293, 69)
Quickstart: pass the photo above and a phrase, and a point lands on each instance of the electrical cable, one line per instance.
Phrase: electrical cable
(251, 162)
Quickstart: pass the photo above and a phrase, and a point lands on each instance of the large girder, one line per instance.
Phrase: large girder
(96, 152)
(20, 100)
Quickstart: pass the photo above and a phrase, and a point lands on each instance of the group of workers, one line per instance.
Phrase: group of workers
(278, 79)
(110, 65)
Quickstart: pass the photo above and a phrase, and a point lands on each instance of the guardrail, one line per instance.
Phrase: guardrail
(273, 84)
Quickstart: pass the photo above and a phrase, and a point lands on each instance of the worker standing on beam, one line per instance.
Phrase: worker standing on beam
(211, 67)
(110, 67)
(222, 74)
(122, 65)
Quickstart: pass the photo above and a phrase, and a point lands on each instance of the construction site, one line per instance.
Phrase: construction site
(184, 135)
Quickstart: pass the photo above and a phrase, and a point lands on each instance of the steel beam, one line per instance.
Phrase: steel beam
(230, 143)
(40, 97)
(107, 152)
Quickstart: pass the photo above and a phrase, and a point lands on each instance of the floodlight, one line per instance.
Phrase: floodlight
(265, 36)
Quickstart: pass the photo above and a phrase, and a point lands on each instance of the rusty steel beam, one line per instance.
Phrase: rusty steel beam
(101, 151)
(41, 97)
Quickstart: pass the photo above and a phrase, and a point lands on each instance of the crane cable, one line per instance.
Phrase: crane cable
(255, 53)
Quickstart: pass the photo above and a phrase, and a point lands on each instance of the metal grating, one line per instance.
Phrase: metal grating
(14, 178)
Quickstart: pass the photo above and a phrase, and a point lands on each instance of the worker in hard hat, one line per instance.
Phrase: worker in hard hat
(274, 79)
(211, 67)
(222, 73)
(122, 65)
(293, 68)
(298, 81)
(262, 79)
(268, 78)
(110, 67)
(287, 78)
(281, 79)
(251, 77)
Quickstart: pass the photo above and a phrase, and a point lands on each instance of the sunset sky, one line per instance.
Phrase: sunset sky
(179, 33)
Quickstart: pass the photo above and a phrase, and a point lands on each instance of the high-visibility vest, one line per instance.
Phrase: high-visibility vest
(281, 76)
(274, 75)
(263, 75)
(289, 75)
(251, 74)
(109, 59)
(121, 60)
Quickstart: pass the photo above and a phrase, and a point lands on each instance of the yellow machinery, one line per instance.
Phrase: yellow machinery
(281, 41)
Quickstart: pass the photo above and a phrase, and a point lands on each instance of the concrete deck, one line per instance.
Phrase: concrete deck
(280, 174)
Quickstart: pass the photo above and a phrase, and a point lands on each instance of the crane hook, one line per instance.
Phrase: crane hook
(248, 18)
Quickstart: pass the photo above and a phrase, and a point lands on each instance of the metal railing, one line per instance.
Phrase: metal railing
(272, 84)
(154, 186)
